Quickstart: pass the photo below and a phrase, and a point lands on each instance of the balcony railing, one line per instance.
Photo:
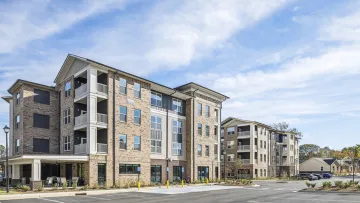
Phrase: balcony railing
(102, 148)
(244, 147)
(80, 149)
(245, 161)
(80, 90)
(101, 118)
(102, 88)
(243, 134)
(81, 119)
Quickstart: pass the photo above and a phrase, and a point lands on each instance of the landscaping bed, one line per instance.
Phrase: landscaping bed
(338, 186)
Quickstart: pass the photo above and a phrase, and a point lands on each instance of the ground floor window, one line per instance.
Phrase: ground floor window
(155, 174)
(203, 172)
(101, 174)
(129, 168)
(177, 173)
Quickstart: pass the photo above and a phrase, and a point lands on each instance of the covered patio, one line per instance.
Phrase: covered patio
(48, 170)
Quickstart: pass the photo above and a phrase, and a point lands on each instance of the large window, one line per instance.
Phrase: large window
(123, 141)
(177, 105)
(137, 142)
(203, 172)
(18, 98)
(155, 175)
(68, 89)
(67, 116)
(123, 85)
(177, 173)
(137, 116)
(231, 131)
(137, 90)
(67, 143)
(199, 129)
(230, 144)
(156, 99)
(17, 146)
(207, 150)
(207, 130)
(177, 138)
(42, 97)
(40, 145)
(129, 168)
(215, 149)
(123, 113)
(156, 134)
(17, 122)
(199, 109)
(41, 121)
(199, 149)
(207, 111)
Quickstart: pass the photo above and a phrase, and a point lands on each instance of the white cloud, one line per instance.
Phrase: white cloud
(25, 21)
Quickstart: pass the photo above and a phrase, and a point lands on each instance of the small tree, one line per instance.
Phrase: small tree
(235, 166)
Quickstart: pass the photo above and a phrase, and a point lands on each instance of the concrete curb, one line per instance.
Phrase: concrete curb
(325, 192)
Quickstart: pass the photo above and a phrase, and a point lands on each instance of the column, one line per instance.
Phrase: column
(35, 181)
(14, 174)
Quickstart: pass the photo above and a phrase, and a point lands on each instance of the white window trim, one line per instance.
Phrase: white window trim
(123, 86)
(197, 150)
(67, 116)
(123, 114)
(67, 142)
(156, 101)
(178, 105)
(137, 143)
(137, 116)
(125, 142)
(175, 132)
(158, 135)
(199, 111)
(67, 92)
(135, 90)
(207, 112)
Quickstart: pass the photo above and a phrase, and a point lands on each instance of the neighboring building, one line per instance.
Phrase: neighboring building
(263, 152)
(102, 124)
(320, 165)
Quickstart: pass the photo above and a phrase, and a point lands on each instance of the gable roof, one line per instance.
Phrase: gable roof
(329, 160)
(231, 119)
(202, 88)
(320, 160)
(19, 82)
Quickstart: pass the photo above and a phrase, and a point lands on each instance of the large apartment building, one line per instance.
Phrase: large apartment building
(263, 151)
(106, 126)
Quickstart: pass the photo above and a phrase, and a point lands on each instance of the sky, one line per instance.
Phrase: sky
(278, 60)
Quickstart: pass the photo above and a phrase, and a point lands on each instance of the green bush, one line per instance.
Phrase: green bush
(326, 184)
(354, 182)
(338, 184)
(308, 184)
(347, 185)
(41, 187)
(56, 186)
(313, 185)
(96, 186)
(74, 184)
(25, 188)
(64, 185)
(86, 187)
(358, 187)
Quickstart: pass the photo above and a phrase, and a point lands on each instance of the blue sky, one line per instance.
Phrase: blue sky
(278, 60)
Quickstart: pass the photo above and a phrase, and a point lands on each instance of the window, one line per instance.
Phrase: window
(199, 109)
(261, 157)
(137, 143)
(261, 172)
(129, 168)
(177, 138)
(156, 134)
(41, 121)
(215, 149)
(67, 89)
(291, 147)
(264, 144)
(207, 150)
(222, 132)
(123, 85)
(231, 131)
(17, 147)
(155, 174)
(264, 157)
(261, 144)
(199, 150)
(199, 129)
(137, 116)
(215, 130)
(207, 111)
(17, 122)
(217, 115)
(203, 172)
(137, 90)
(123, 113)
(230, 157)
(177, 105)
(230, 144)
(40, 145)
(67, 143)
(67, 116)
(265, 172)
(18, 98)
(42, 97)
(207, 130)
(156, 99)
(123, 141)
(177, 173)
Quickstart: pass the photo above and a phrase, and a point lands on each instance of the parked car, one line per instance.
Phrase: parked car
(303, 176)
(327, 175)
(319, 176)
(1, 178)
(312, 177)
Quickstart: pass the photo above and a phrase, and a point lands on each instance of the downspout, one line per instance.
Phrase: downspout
(193, 130)
(219, 147)
(114, 144)
(167, 136)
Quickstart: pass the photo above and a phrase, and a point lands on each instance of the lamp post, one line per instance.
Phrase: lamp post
(6, 130)
(224, 153)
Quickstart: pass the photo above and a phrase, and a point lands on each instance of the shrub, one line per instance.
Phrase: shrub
(338, 184)
(74, 184)
(347, 184)
(354, 182)
(64, 185)
(56, 186)
(313, 185)
(358, 187)
(86, 187)
(41, 188)
(24, 188)
(308, 184)
(326, 184)
(96, 186)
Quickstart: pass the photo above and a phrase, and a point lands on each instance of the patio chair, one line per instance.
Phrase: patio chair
(49, 181)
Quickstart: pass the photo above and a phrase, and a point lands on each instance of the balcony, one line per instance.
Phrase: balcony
(82, 119)
(80, 90)
(103, 89)
(80, 149)
(101, 118)
(243, 134)
(102, 148)
(245, 161)
(243, 147)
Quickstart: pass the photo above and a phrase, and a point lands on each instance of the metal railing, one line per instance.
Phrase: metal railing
(102, 88)
(102, 148)
(81, 119)
(244, 147)
(80, 90)
(101, 118)
(245, 161)
(244, 134)
(80, 149)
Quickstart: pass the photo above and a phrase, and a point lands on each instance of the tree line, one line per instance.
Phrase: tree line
(307, 151)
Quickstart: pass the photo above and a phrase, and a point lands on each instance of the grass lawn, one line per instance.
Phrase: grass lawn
(3, 192)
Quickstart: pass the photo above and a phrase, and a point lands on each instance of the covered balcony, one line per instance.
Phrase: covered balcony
(244, 158)
(244, 145)
(80, 113)
(101, 146)
(102, 83)
(243, 131)
(80, 141)
(80, 85)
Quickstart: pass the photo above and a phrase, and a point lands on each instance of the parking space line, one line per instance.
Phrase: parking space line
(100, 198)
(51, 200)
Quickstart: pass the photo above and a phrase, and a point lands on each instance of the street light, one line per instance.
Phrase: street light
(224, 153)
(7, 130)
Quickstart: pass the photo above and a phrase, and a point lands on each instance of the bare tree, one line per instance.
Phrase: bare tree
(283, 126)
(234, 166)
